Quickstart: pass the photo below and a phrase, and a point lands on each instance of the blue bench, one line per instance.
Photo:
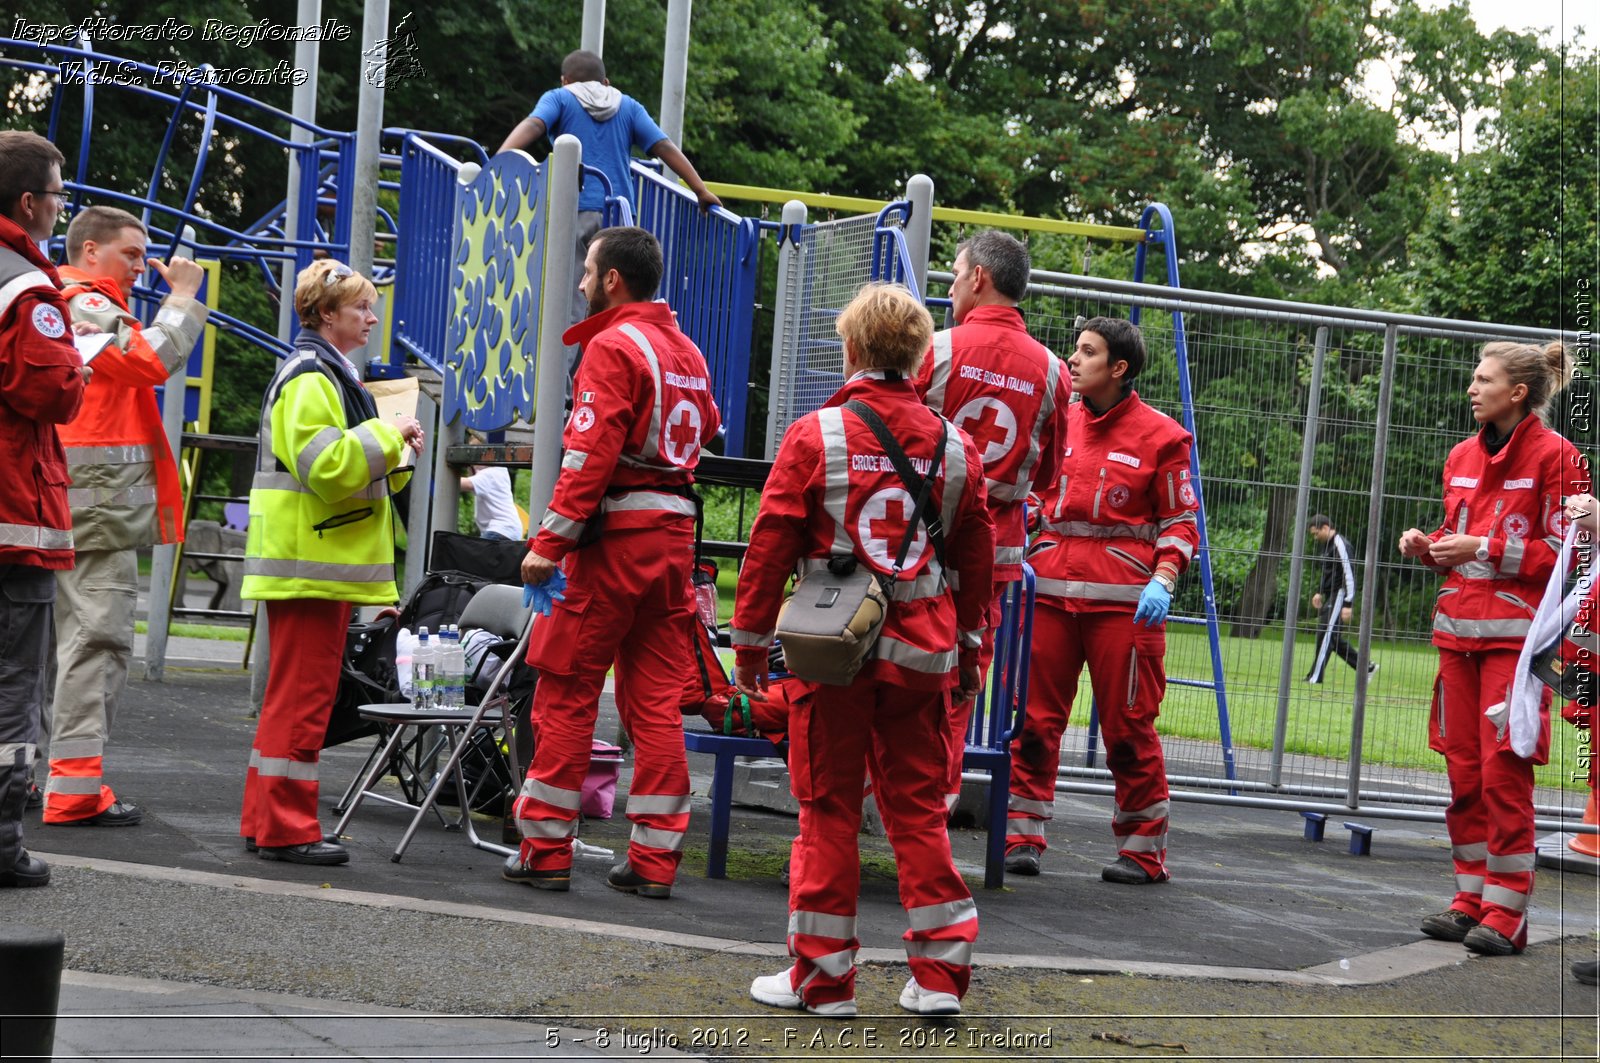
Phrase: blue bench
(996, 718)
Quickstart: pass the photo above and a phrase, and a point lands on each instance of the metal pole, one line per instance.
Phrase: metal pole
(594, 26)
(1369, 567)
(560, 218)
(369, 129)
(1297, 555)
(785, 319)
(675, 70)
(305, 110)
(919, 228)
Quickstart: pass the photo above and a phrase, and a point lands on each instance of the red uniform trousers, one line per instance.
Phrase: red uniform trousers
(1128, 673)
(960, 714)
(1490, 818)
(835, 740)
(629, 604)
(307, 639)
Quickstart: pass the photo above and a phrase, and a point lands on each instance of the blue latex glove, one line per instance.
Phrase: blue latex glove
(543, 596)
(1153, 605)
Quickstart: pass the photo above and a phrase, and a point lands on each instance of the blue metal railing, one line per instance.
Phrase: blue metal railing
(711, 259)
(429, 183)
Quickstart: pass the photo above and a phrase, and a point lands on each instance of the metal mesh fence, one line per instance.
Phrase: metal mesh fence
(1257, 391)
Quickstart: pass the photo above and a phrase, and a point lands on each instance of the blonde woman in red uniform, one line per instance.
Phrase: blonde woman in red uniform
(1501, 535)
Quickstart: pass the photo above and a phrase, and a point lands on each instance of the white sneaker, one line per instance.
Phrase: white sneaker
(776, 990)
(922, 1001)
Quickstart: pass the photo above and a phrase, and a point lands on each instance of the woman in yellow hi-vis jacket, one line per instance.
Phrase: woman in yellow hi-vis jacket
(321, 540)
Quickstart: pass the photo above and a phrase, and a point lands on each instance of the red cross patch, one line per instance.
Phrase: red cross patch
(47, 319)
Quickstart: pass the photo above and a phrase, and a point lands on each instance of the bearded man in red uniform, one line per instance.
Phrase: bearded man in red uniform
(1009, 392)
(1117, 528)
(642, 410)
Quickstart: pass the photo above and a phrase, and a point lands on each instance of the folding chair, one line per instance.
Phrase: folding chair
(502, 612)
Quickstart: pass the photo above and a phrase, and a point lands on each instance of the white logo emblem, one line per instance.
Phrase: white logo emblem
(881, 528)
(1516, 526)
(681, 434)
(47, 319)
(991, 424)
(583, 418)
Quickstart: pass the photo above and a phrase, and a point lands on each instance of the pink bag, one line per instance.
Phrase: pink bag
(600, 784)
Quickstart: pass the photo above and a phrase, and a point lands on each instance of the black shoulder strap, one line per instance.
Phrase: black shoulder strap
(920, 488)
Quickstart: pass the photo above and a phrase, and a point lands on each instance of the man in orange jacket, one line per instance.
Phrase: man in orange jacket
(125, 494)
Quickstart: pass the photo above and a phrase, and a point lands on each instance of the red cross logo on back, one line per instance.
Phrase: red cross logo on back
(682, 433)
(882, 527)
(992, 426)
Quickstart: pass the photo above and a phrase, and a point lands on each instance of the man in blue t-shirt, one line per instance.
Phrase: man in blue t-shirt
(609, 125)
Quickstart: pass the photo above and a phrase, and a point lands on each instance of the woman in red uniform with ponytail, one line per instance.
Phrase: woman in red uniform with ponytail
(1502, 532)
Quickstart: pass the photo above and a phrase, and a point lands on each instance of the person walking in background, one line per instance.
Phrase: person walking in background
(1334, 600)
(609, 125)
(1498, 542)
(125, 495)
(1117, 529)
(834, 493)
(622, 521)
(42, 381)
(1010, 393)
(321, 539)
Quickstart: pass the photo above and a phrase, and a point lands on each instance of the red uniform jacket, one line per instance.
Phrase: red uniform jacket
(1121, 507)
(1009, 392)
(41, 386)
(641, 412)
(1513, 498)
(832, 491)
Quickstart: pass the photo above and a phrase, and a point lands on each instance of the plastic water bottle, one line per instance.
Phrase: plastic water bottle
(452, 669)
(424, 671)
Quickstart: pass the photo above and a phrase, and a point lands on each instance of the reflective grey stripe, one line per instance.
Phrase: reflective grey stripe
(1511, 558)
(291, 568)
(108, 455)
(1512, 863)
(1517, 902)
(574, 459)
(1025, 828)
(943, 361)
(1473, 851)
(35, 537)
(939, 916)
(552, 795)
(313, 450)
(1159, 810)
(750, 638)
(835, 964)
(69, 749)
(971, 640)
(81, 497)
(565, 527)
(73, 785)
(1082, 529)
(1142, 843)
(284, 481)
(931, 584)
(1479, 629)
(1009, 555)
(916, 659)
(9, 751)
(651, 500)
(1104, 592)
(958, 953)
(1183, 546)
(372, 447)
(836, 477)
(1476, 570)
(657, 804)
(1045, 809)
(283, 767)
(822, 925)
(548, 827)
(17, 285)
(670, 840)
(652, 439)
(1469, 883)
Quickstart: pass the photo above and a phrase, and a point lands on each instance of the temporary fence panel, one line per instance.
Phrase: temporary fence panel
(711, 263)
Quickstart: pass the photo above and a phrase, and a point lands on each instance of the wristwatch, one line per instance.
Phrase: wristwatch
(1482, 553)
